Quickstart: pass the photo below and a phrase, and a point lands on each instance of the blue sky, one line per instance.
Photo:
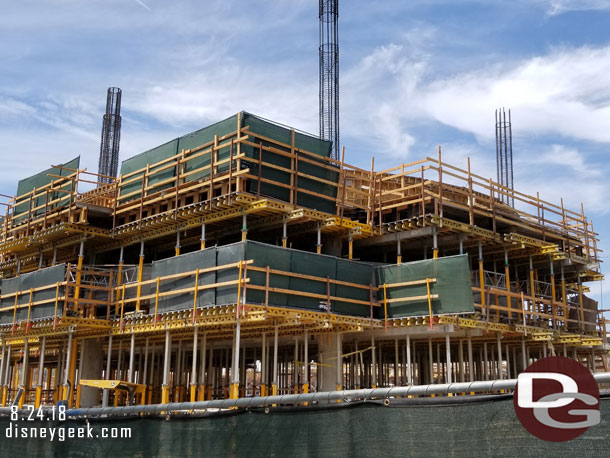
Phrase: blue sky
(414, 74)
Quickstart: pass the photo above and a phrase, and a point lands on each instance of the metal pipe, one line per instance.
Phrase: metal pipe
(274, 382)
(470, 361)
(409, 373)
(107, 374)
(320, 397)
(132, 355)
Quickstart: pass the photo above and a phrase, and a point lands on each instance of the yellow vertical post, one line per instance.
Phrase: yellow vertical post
(79, 269)
(156, 301)
(119, 281)
(350, 245)
(140, 273)
(429, 301)
(319, 240)
(385, 307)
(195, 291)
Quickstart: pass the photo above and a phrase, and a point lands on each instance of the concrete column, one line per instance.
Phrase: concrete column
(91, 369)
(263, 388)
(461, 360)
(329, 374)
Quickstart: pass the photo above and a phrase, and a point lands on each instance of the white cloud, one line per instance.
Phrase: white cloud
(555, 7)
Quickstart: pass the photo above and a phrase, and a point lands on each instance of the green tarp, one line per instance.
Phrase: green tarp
(257, 126)
(38, 181)
(452, 285)
(40, 278)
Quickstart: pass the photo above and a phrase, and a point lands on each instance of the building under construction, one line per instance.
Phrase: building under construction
(243, 259)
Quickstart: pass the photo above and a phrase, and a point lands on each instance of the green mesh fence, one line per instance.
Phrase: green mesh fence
(452, 286)
(488, 429)
(40, 278)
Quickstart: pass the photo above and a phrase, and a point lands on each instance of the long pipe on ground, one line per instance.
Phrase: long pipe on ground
(323, 397)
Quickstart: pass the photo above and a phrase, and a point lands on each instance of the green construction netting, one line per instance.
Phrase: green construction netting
(24, 282)
(263, 255)
(256, 126)
(452, 286)
(39, 180)
(486, 429)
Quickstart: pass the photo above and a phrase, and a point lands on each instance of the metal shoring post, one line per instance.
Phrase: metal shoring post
(461, 360)
(132, 351)
(485, 362)
(319, 239)
(275, 344)
(145, 370)
(177, 248)
(54, 262)
(2, 365)
(211, 378)
(24, 371)
(461, 240)
(434, 243)
(396, 362)
(201, 395)
(482, 279)
(306, 362)
(244, 227)
(284, 232)
(500, 370)
(295, 378)
(202, 235)
(507, 281)
(80, 371)
(140, 273)
(470, 361)
(409, 369)
(398, 250)
(339, 363)
(79, 269)
(38, 398)
(350, 246)
(166, 364)
(430, 361)
(448, 358)
(67, 391)
(6, 375)
(107, 374)
(194, 366)
(373, 364)
(263, 388)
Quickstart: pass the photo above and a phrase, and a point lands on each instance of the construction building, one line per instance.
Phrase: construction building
(243, 259)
